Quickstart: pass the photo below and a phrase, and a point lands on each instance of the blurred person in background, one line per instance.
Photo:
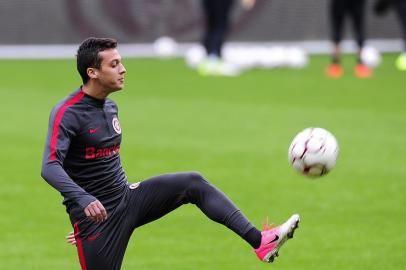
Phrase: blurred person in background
(217, 16)
(380, 8)
(338, 10)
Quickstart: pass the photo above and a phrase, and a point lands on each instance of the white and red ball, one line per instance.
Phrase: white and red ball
(313, 152)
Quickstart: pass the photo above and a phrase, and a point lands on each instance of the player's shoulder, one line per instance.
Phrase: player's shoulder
(111, 104)
(67, 105)
(69, 100)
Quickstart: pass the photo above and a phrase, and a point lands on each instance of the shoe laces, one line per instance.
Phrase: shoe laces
(267, 226)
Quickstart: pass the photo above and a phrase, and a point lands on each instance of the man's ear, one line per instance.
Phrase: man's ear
(93, 73)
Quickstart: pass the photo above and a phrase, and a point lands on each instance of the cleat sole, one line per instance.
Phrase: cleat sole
(293, 228)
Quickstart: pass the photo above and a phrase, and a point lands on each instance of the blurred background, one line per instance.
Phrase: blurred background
(24, 22)
(137, 21)
(235, 129)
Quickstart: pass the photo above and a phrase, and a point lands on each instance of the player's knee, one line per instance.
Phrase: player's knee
(196, 187)
(195, 175)
(195, 178)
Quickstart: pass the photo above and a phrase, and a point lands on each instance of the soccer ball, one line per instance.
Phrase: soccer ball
(313, 152)
(371, 57)
(165, 47)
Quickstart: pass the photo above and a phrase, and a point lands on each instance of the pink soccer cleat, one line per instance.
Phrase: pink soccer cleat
(273, 239)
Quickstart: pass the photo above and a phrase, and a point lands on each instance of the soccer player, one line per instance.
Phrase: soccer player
(82, 161)
(338, 11)
(217, 16)
(381, 6)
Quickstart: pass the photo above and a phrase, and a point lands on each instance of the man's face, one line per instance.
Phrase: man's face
(111, 72)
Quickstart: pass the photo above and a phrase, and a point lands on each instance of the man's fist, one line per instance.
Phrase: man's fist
(96, 212)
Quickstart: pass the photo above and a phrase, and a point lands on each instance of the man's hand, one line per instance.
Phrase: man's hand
(96, 212)
(248, 4)
(382, 6)
(70, 238)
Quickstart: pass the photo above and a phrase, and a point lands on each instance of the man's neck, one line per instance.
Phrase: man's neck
(94, 91)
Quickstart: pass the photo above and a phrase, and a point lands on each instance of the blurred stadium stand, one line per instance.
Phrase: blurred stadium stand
(140, 22)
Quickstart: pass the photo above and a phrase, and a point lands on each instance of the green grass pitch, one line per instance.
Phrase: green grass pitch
(236, 132)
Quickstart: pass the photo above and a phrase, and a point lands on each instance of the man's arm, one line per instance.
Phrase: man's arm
(380, 7)
(60, 132)
(248, 4)
(56, 176)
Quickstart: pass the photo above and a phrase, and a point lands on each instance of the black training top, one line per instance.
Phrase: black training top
(81, 158)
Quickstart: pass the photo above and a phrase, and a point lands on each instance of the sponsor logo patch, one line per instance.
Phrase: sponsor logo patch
(93, 152)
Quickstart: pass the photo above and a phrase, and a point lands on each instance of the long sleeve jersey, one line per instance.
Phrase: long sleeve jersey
(81, 158)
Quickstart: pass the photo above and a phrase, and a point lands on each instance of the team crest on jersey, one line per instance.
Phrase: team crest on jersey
(116, 125)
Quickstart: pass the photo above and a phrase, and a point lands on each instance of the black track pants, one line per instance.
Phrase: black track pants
(102, 246)
(339, 9)
(217, 14)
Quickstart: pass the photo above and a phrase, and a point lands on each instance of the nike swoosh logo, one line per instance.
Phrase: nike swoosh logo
(275, 239)
(93, 237)
(93, 130)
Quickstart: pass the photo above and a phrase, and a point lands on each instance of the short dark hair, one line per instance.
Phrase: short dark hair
(88, 54)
